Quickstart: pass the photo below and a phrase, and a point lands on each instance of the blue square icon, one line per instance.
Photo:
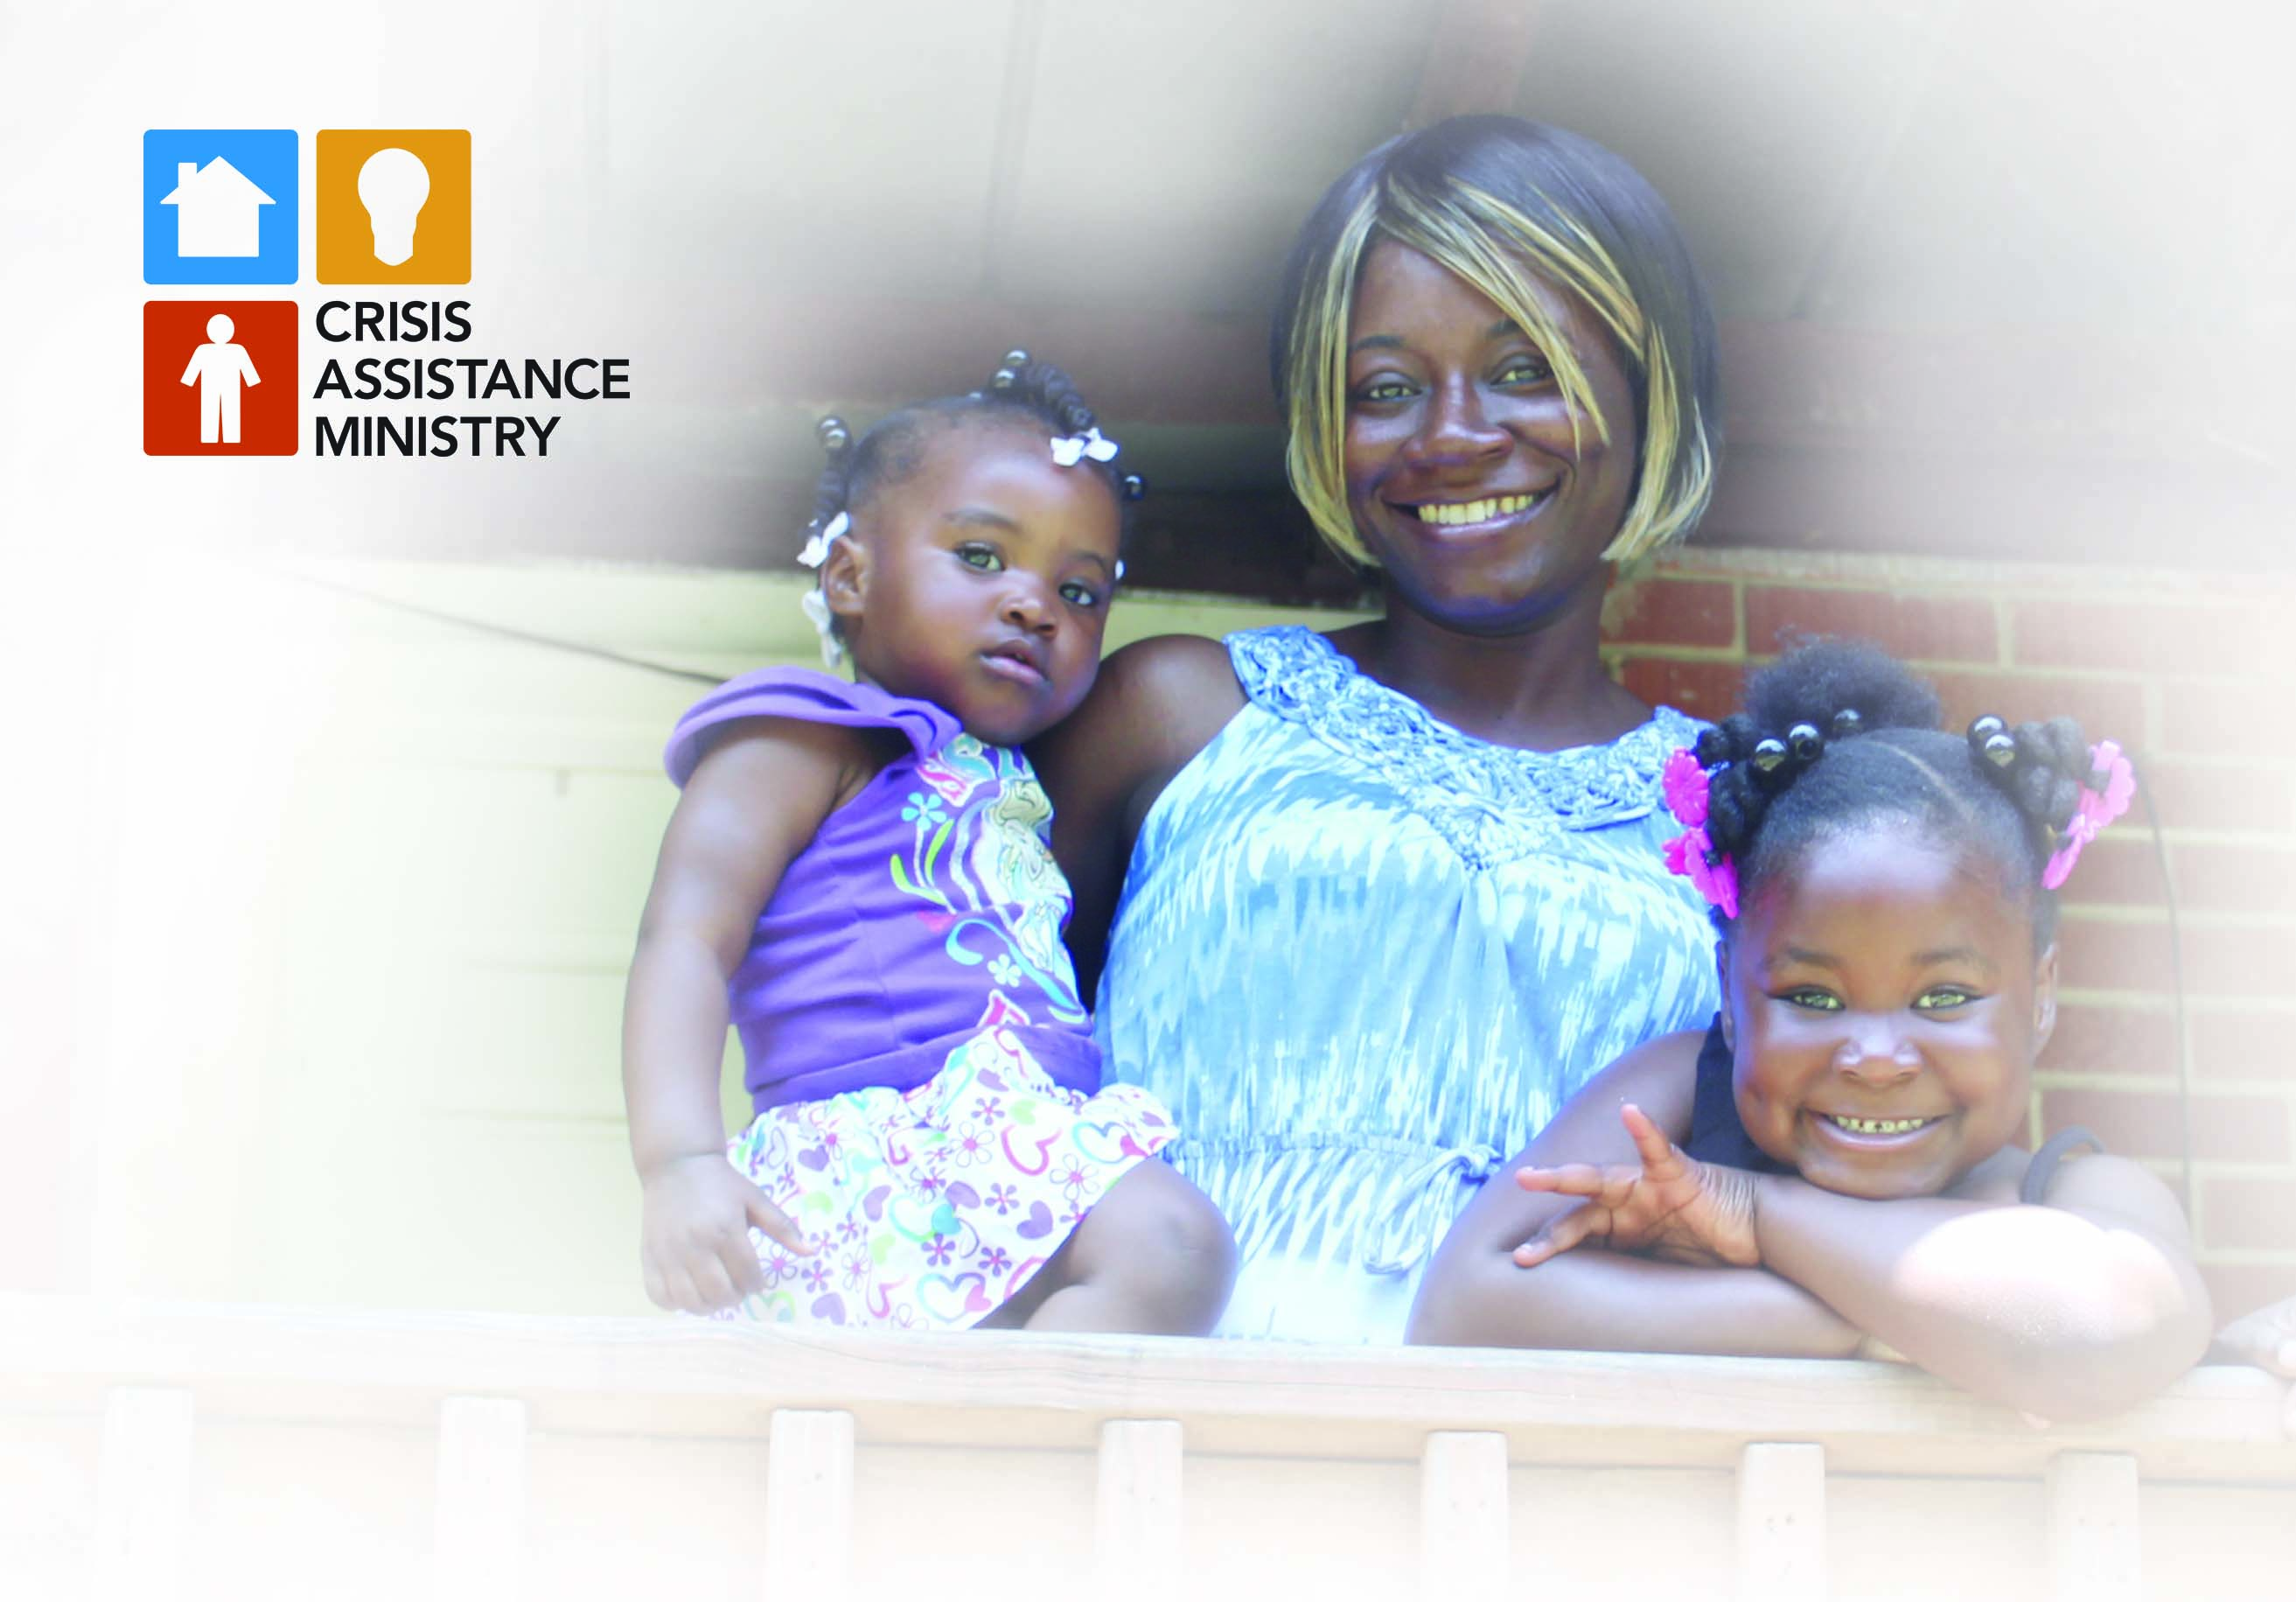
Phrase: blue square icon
(220, 206)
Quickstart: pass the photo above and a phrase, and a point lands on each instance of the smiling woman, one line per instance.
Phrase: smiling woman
(1369, 906)
(1482, 491)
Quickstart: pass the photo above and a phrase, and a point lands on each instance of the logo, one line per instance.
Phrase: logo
(220, 206)
(220, 378)
(393, 205)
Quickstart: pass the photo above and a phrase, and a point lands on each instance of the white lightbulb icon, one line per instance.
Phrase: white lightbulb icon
(392, 186)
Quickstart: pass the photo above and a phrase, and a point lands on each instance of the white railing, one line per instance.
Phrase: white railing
(155, 1451)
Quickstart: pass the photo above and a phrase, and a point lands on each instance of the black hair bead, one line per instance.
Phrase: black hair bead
(1803, 745)
(1004, 378)
(1712, 748)
(832, 434)
(1135, 486)
(1769, 755)
(1847, 722)
(1015, 358)
(1991, 739)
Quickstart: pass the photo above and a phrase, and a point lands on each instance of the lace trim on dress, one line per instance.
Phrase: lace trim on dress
(1492, 803)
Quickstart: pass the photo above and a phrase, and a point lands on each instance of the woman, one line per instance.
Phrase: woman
(1390, 895)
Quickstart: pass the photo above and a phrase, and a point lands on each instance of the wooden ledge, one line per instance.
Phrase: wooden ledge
(687, 1378)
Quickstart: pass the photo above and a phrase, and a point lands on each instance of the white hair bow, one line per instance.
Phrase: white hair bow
(816, 548)
(1068, 450)
(816, 605)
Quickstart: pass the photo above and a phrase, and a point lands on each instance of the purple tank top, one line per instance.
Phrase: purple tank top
(927, 909)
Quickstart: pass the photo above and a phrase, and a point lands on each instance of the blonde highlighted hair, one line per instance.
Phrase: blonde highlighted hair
(1505, 205)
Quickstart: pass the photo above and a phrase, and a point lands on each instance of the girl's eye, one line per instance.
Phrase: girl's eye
(1943, 997)
(1810, 998)
(1525, 370)
(980, 556)
(1079, 595)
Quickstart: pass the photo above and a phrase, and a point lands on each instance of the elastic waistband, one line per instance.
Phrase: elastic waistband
(1071, 1059)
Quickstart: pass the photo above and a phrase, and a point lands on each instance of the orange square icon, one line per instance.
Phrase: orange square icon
(220, 378)
(394, 205)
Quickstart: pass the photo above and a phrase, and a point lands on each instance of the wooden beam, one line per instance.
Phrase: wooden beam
(1781, 1522)
(1462, 1513)
(479, 1519)
(1024, 48)
(1143, 364)
(809, 1504)
(2095, 1554)
(701, 1378)
(1476, 52)
(1138, 1548)
(144, 1494)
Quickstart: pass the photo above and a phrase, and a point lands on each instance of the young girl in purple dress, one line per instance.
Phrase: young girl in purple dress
(1836, 1165)
(857, 877)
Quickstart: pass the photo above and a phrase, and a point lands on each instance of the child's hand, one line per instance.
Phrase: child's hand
(1668, 1205)
(695, 1244)
(2266, 1337)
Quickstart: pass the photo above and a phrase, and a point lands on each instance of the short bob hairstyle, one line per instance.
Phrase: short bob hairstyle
(1502, 202)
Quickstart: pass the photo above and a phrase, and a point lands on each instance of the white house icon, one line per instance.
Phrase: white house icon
(216, 210)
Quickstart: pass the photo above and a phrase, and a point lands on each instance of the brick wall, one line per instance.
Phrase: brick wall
(2187, 672)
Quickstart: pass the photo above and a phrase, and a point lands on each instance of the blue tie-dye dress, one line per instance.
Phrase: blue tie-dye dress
(1364, 957)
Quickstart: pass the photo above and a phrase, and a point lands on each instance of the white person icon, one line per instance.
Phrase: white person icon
(219, 367)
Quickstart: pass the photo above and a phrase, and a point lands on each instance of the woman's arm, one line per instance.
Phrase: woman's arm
(2073, 1310)
(1595, 1300)
(1156, 703)
(755, 799)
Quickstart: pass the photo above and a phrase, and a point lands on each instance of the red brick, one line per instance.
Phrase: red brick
(2243, 960)
(2210, 719)
(2243, 1045)
(2126, 872)
(2116, 873)
(2107, 709)
(2144, 1123)
(2233, 878)
(2242, 1288)
(2248, 1215)
(1924, 628)
(2112, 1039)
(2099, 955)
(1672, 612)
(1704, 689)
(2192, 795)
(2247, 642)
(2255, 960)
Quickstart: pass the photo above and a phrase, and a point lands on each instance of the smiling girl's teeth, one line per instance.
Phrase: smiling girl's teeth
(1876, 1126)
(1474, 511)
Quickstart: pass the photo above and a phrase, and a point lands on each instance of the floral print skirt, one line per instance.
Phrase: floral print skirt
(933, 1206)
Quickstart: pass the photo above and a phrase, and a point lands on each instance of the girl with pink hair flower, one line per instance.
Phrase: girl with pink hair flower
(1836, 1165)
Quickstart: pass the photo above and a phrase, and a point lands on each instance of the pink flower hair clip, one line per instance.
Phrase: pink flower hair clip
(1691, 854)
(2104, 796)
(2104, 792)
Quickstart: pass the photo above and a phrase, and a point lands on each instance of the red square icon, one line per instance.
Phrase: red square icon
(220, 378)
